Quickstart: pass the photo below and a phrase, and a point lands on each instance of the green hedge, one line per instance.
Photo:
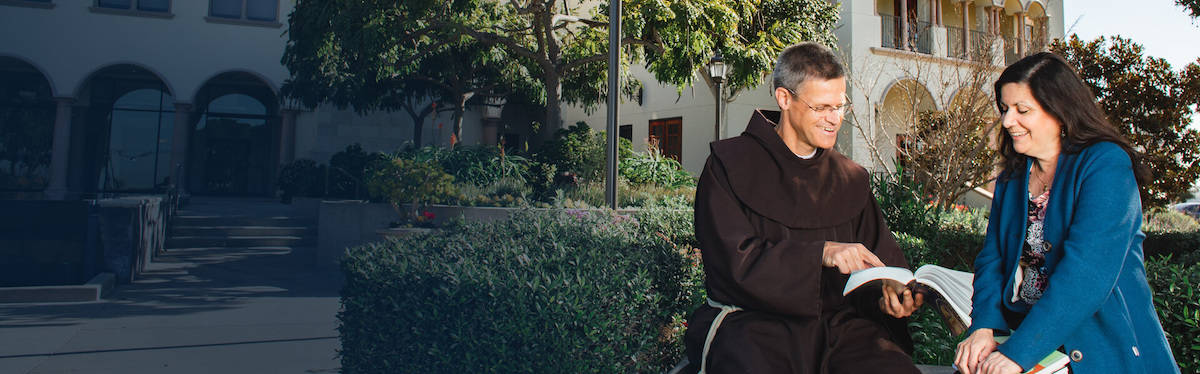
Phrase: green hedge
(554, 292)
(1177, 299)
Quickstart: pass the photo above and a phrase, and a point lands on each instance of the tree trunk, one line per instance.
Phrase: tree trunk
(458, 119)
(553, 120)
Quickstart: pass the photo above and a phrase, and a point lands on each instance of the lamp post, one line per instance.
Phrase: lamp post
(614, 87)
(716, 71)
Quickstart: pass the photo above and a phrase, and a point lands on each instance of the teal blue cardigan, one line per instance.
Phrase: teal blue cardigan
(1097, 303)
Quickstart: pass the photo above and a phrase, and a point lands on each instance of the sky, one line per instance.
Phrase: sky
(1163, 28)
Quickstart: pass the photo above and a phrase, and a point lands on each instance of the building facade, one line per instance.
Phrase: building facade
(897, 67)
(126, 96)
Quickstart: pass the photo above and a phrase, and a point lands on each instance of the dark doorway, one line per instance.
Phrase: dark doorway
(234, 141)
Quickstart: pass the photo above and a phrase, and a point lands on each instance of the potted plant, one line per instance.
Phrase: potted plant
(404, 181)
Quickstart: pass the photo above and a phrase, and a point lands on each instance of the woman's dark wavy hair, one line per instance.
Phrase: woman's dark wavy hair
(1060, 91)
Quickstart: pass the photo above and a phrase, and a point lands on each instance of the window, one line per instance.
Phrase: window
(625, 132)
(160, 6)
(668, 135)
(251, 10)
(44, 4)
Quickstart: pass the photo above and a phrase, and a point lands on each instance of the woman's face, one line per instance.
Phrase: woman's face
(1033, 131)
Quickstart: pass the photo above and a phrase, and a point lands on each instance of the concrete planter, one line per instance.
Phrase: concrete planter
(400, 232)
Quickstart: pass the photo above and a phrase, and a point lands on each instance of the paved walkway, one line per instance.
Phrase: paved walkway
(200, 310)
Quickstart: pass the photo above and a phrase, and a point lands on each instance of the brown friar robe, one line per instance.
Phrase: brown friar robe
(763, 216)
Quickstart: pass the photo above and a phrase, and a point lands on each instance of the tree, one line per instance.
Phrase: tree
(947, 152)
(562, 45)
(352, 53)
(1151, 104)
(1192, 6)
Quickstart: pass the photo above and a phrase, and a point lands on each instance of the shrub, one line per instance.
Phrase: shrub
(1176, 244)
(1177, 299)
(580, 150)
(477, 165)
(350, 169)
(1163, 220)
(302, 177)
(591, 194)
(651, 168)
(404, 181)
(556, 292)
(506, 192)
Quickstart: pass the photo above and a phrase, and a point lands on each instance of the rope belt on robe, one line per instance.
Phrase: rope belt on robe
(712, 330)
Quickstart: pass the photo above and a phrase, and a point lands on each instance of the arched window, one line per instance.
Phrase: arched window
(129, 118)
(26, 127)
(139, 141)
(234, 140)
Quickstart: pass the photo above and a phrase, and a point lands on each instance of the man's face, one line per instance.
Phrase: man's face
(814, 111)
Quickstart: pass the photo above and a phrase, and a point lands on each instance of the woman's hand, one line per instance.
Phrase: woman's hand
(973, 350)
(998, 363)
(899, 301)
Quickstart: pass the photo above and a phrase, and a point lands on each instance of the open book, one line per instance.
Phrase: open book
(948, 290)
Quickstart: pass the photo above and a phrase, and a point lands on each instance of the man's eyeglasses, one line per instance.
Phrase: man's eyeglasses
(824, 109)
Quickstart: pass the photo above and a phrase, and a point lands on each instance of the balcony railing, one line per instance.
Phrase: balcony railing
(919, 35)
(981, 44)
(1011, 52)
(954, 43)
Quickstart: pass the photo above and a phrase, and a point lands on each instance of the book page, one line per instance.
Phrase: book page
(861, 277)
(954, 286)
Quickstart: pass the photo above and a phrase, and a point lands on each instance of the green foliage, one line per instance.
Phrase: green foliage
(651, 168)
(1177, 299)
(374, 54)
(477, 165)
(544, 292)
(933, 343)
(349, 170)
(1165, 220)
(403, 181)
(1171, 243)
(1150, 103)
(580, 150)
(505, 192)
(591, 194)
(302, 177)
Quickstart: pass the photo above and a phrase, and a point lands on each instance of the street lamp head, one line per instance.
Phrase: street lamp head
(717, 68)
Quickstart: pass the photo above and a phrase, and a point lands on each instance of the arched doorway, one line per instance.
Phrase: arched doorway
(26, 127)
(128, 125)
(902, 106)
(234, 139)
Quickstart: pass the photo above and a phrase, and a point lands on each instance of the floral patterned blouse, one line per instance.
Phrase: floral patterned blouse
(1032, 274)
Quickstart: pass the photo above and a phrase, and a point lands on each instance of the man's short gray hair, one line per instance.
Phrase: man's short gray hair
(799, 62)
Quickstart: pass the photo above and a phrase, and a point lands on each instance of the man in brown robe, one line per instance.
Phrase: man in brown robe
(782, 219)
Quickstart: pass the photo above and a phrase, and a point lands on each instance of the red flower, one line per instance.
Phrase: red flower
(428, 215)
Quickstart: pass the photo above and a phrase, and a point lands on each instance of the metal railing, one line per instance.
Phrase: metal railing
(954, 43)
(980, 48)
(889, 31)
(919, 34)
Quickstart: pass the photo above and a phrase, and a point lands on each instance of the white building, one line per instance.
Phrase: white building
(892, 63)
(129, 95)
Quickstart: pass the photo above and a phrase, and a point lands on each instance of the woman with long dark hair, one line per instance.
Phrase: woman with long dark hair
(1061, 267)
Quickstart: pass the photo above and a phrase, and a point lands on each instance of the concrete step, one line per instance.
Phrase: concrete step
(239, 241)
(211, 221)
(303, 231)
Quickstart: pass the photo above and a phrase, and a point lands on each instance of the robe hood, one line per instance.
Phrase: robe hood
(826, 190)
